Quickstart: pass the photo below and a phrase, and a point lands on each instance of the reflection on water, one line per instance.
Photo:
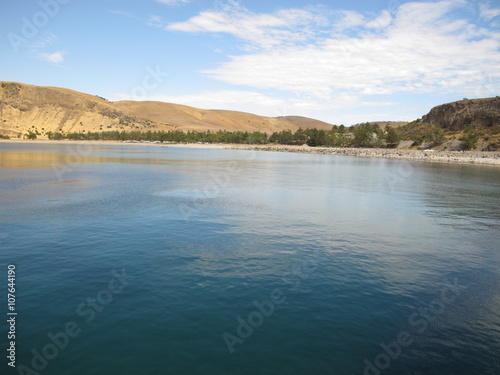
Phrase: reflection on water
(57, 159)
(356, 246)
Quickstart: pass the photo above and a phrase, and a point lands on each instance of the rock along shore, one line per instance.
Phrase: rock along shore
(464, 157)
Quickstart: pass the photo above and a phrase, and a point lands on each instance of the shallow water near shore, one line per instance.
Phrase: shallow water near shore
(156, 260)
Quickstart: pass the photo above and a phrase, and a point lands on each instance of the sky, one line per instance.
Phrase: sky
(343, 62)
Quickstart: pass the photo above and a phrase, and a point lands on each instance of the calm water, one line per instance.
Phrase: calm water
(182, 261)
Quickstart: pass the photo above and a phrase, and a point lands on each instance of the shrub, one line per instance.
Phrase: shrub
(30, 135)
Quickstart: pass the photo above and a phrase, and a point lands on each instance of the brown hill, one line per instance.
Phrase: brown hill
(25, 108)
(190, 118)
(307, 123)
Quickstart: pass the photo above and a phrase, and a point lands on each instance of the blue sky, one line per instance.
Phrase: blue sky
(338, 61)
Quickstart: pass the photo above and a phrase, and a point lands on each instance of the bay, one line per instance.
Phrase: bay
(197, 261)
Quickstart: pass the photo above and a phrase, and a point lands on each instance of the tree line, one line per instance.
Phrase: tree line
(363, 135)
(175, 136)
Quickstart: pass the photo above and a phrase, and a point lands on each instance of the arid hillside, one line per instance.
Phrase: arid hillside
(190, 118)
(27, 109)
(307, 123)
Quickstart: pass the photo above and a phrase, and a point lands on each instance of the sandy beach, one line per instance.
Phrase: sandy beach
(460, 157)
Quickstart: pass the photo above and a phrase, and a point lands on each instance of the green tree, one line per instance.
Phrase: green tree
(30, 135)
(363, 135)
(392, 138)
(438, 137)
(257, 138)
(300, 136)
(469, 139)
(316, 137)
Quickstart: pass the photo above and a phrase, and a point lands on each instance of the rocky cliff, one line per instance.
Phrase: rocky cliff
(457, 115)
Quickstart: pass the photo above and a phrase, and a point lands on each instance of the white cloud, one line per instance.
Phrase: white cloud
(55, 57)
(488, 13)
(380, 22)
(350, 19)
(423, 48)
(123, 13)
(260, 30)
(334, 62)
(173, 2)
(45, 41)
(156, 21)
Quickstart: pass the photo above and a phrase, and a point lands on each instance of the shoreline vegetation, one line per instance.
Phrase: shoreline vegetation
(368, 135)
(455, 157)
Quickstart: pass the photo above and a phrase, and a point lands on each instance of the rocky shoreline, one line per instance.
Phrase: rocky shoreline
(463, 157)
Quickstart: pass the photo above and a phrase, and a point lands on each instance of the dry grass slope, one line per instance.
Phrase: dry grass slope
(190, 118)
(307, 123)
(27, 108)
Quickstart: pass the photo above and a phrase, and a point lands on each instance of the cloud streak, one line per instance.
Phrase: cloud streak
(56, 57)
(173, 2)
(420, 48)
(286, 27)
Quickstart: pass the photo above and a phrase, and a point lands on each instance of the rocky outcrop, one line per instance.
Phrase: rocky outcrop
(457, 115)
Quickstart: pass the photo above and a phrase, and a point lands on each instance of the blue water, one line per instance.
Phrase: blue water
(242, 262)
